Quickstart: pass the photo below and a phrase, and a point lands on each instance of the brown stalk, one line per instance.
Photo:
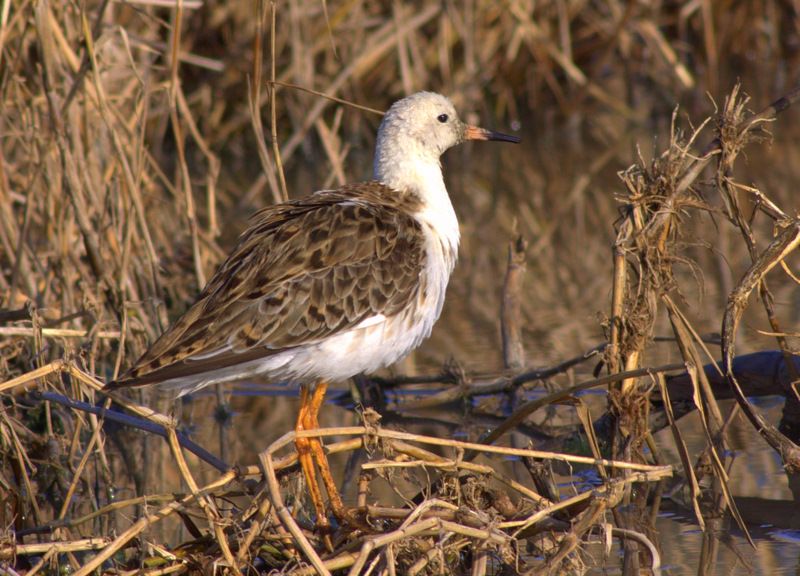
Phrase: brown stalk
(254, 101)
(273, 107)
(9, 552)
(511, 307)
(782, 246)
(286, 517)
(207, 505)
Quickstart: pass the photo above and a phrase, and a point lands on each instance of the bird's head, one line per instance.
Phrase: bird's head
(422, 127)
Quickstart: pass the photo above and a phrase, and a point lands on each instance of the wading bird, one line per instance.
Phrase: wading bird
(323, 288)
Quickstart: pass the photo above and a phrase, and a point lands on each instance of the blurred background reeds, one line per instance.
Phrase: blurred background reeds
(136, 137)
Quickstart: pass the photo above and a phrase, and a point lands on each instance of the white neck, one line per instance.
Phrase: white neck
(416, 171)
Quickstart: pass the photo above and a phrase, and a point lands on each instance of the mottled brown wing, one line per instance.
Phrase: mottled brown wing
(302, 271)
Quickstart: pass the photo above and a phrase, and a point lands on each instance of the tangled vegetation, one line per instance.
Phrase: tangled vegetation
(136, 136)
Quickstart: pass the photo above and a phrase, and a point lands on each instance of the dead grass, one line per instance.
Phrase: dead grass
(135, 137)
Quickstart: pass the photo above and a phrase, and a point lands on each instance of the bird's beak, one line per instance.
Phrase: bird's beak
(475, 133)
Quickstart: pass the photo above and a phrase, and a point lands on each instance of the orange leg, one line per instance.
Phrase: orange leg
(304, 455)
(311, 423)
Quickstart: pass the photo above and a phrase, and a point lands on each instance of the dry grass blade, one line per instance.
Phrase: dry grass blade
(53, 547)
(328, 97)
(286, 517)
(710, 414)
(211, 512)
(683, 453)
(395, 435)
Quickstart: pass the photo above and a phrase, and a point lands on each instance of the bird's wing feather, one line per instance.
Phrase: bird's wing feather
(302, 271)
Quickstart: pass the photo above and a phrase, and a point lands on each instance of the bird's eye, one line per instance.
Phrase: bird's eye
(442, 118)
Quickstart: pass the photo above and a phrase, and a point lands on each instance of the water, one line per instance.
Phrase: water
(263, 413)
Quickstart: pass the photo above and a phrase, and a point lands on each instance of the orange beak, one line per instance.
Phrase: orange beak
(475, 133)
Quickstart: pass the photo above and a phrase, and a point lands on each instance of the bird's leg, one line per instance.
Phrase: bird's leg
(312, 423)
(304, 456)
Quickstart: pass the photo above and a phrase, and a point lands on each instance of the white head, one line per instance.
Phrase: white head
(417, 130)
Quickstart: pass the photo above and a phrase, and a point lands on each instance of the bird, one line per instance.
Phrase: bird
(322, 288)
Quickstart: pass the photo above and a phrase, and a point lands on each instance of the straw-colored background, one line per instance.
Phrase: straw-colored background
(136, 138)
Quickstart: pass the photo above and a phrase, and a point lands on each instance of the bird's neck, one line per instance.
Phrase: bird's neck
(423, 176)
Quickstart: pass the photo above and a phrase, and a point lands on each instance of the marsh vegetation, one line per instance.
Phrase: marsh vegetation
(644, 229)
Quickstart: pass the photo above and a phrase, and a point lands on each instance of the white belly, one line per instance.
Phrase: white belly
(361, 350)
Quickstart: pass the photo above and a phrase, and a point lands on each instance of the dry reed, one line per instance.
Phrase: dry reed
(133, 136)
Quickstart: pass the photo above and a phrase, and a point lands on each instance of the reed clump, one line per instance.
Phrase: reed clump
(136, 137)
